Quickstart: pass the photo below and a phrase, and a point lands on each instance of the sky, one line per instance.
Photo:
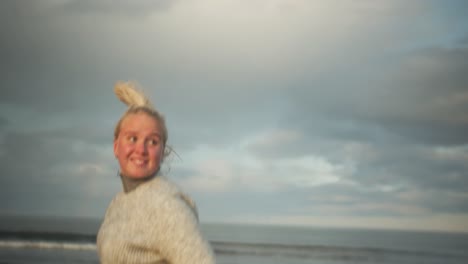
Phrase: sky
(349, 114)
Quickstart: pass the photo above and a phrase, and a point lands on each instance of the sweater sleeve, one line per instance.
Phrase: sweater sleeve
(179, 237)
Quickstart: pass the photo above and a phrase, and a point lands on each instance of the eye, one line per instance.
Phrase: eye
(153, 142)
(132, 139)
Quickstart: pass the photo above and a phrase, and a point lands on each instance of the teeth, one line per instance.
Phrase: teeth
(139, 162)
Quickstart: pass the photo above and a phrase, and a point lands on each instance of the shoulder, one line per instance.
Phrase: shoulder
(165, 194)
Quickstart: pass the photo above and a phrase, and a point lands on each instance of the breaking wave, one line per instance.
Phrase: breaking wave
(67, 241)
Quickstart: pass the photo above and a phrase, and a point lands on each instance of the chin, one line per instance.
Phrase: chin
(141, 175)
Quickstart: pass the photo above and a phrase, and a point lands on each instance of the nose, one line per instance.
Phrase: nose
(141, 147)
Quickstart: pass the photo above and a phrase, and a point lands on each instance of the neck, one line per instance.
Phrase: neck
(130, 184)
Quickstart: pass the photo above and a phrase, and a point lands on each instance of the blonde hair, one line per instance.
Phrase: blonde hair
(137, 102)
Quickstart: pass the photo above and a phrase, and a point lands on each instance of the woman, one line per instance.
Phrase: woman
(151, 221)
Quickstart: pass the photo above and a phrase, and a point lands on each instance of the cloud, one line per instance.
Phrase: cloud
(416, 98)
(404, 131)
(212, 175)
(257, 53)
(437, 222)
(47, 174)
(376, 176)
(3, 123)
(238, 168)
(276, 143)
(434, 110)
(452, 153)
(119, 7)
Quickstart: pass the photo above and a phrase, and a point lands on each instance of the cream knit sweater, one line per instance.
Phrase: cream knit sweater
(154, 223)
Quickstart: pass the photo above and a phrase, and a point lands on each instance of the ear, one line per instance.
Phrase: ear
(163, 153)
(115, 148)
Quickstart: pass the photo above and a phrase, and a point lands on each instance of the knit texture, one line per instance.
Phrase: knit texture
(154, 223)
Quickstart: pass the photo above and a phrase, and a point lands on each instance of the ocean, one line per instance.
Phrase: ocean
(54, 240)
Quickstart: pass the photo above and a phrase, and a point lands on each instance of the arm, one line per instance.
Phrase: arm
(180, 240)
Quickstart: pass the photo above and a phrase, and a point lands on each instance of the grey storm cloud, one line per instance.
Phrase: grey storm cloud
(43, 172)
(435, 111)
(49, 62)
(421, 98)
(387, 171)
(423, 108)
(365, 200)
(36, 66)
(3, 123)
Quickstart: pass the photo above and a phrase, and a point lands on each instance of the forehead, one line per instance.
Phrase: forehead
(140, 122)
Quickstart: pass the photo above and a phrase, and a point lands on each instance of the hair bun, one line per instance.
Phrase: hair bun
(129, 94)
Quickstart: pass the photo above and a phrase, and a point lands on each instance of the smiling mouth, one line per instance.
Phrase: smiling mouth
(139, 162)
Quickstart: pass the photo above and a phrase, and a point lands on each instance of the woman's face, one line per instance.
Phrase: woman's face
(139, 147)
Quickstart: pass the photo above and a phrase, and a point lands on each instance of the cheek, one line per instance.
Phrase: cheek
(157, 153)
(124, 150)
